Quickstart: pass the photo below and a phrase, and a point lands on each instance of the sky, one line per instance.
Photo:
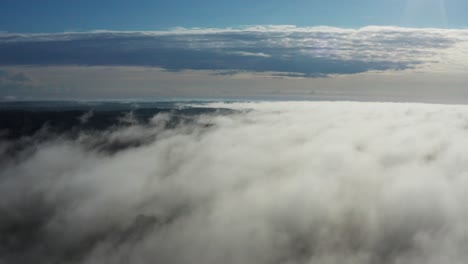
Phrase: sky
(348, 182)
(379, 50)
(58, 16)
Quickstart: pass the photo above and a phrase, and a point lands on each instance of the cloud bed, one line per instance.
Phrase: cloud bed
(286, 182)
(309, 52)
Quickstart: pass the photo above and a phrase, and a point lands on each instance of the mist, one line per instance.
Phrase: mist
(267, 182)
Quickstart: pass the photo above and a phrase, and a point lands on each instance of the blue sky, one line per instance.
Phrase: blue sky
(58, 15)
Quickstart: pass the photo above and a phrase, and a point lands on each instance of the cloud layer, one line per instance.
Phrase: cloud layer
(286, 182)
(312, 52)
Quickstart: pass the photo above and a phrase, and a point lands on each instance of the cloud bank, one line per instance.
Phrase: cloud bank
(309, 51)
(286, 182)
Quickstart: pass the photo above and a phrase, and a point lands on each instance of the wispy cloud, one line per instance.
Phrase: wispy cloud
(308, 51)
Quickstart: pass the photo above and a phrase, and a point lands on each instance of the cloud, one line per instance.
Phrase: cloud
(311, 51)
(13, 81)
(10, 77)
(244, 53)
(285, 182)
(14, 84)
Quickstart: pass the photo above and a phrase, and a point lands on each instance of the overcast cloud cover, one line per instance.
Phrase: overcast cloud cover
(285, 182)
(297, 51)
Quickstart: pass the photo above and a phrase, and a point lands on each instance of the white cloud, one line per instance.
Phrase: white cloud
(285, 182)
(244, 53)
(283, 48)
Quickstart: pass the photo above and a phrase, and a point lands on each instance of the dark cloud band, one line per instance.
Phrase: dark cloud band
(310, 52)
